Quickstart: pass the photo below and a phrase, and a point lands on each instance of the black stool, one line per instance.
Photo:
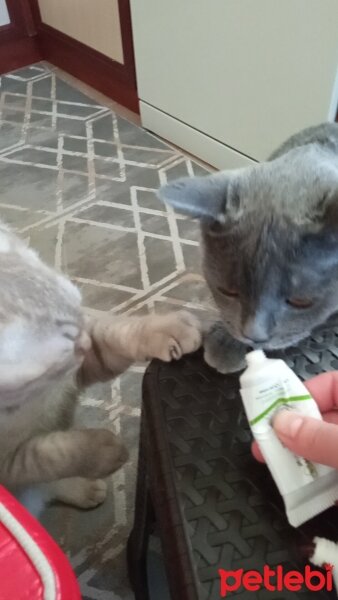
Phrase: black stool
(199, 488)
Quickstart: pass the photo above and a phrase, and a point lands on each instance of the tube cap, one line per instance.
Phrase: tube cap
(256, 357)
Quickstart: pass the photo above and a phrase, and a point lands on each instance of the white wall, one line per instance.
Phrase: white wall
(245, 73)
(4, 18)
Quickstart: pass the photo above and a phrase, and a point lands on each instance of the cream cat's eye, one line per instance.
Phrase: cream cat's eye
(231, 293)
(299, 302)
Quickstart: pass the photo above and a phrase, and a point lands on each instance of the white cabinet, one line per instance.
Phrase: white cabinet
(228, 80)
(4, 16)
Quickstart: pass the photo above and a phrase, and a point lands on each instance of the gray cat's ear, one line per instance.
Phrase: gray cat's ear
(199, 197)
(329, 208)
(320, 232)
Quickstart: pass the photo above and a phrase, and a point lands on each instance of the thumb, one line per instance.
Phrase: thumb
(311, 438)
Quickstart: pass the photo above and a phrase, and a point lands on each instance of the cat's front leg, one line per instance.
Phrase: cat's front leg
(118, 341)
(77, 491)
(167, 337)
(223, 352)
(92, 453)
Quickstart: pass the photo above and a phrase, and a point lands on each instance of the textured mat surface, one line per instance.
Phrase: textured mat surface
(78, 182)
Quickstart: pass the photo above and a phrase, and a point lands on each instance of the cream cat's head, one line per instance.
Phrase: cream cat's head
(42, 337)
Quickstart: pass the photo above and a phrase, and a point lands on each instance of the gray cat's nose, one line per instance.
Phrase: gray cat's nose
(255, 332)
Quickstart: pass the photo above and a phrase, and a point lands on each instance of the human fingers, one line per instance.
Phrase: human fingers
(311, 438)
(324, 389)
(329, 417)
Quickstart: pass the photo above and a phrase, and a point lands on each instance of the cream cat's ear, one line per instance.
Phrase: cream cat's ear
(213, 197)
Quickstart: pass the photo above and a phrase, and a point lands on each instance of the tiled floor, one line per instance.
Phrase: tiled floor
(78, 181)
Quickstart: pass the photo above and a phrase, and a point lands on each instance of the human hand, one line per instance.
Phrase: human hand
(315, 440)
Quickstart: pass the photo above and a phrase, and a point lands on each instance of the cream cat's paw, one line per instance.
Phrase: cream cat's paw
(90, 493)
(172, 335)
(78, 491)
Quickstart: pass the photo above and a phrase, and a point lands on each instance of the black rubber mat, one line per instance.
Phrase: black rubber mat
(231, 515)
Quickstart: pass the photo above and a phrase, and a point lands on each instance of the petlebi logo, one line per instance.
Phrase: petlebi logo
(275, 580)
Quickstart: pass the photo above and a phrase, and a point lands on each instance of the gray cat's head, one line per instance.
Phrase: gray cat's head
(270, 244)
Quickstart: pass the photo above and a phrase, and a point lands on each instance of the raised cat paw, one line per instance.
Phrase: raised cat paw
(222, 352)
(170, 336)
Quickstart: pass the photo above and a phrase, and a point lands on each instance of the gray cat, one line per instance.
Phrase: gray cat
(270, 245)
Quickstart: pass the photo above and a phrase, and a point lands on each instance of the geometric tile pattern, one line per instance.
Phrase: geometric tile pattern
(78, 182)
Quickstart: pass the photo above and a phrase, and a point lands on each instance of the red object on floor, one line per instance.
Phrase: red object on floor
(32, 566)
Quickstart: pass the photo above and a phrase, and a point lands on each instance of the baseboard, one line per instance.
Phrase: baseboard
(109, 77)
(193, 141)
(18, 52)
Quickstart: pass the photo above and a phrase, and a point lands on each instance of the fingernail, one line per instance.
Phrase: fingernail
(287, 423)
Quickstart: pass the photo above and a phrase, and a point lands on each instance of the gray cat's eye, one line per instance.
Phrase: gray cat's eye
(230, 293)
(300, 303)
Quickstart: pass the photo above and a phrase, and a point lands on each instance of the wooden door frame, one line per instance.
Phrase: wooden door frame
(18, 41)
(114, 79)
(26, 40)
(21, 21)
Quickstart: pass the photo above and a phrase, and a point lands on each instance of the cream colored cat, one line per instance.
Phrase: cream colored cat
(48, 351)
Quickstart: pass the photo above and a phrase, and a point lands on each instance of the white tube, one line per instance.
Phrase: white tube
(268, 385)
